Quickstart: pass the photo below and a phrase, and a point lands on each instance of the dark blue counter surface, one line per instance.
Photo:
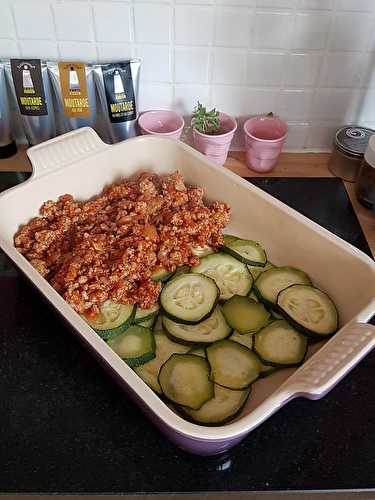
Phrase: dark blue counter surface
(65, 426)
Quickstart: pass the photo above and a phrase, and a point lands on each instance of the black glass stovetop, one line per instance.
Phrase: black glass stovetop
(66, 427)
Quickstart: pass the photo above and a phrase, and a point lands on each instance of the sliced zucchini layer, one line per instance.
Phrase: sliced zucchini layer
(112, 320)
(189, 298)
(247, 251)
(253, 296)
(271, 282)
(310, 310)
(202, 251)
(198, 351)
(161, 274)
(148, 323)
(231, 276)
(246, 339)
(245, 315)
(229, 238)
(224, 406)
(266, 370)
(136, 346)
(279, 344)
(184, 379)
(210, 330)
(181, 270)
(232, 365)
(164, 348)
(142, 315)
(257, 270)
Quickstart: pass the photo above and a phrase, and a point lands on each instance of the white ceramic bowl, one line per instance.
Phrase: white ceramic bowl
(79, 163)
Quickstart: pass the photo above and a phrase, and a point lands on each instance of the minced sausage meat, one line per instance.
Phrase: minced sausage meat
(108, 247)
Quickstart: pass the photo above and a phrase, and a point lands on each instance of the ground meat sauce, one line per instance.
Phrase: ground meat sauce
(108, 247)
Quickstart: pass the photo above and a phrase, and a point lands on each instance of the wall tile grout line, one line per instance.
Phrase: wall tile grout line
(13, 15)
(172, 66)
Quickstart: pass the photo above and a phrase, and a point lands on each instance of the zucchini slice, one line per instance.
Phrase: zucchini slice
(279, 344)
(271, 282)
(112, 320)
(229, 238)
(136, 346)
(309, 310)
(232, 365)
(246, 339)
(276, 315)
(224, 406)
(245, 315)
(246, 251)
(252, 296)
(161, 274)
(148, 323)
(202, 251)
(189, 298)
(181, 270)
(198, 351)
(210, 330)
(231, 276)
(184, 379)
(266, 370)
(257, 270)
(164, 348)
(142, 315)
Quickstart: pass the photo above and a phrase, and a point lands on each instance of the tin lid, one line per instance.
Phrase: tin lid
(353, 140)
(370, 152)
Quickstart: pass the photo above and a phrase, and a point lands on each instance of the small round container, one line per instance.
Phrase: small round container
(264, 140)
(349, 146)
(161, 122)
(365, 185)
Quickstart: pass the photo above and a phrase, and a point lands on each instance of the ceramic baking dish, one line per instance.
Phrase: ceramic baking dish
(79, 163)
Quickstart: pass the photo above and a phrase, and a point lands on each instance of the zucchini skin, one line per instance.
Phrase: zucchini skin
(114, 332)
(278, 365)
(305, 331)
(186, 416)
(222, 385)
(269, 372)
(137, 321)
(269, 305)
(239, 257)
(316, 337)
(188, 322)
(165, 278)
(141, 360)
(187, 342)
(165, 397)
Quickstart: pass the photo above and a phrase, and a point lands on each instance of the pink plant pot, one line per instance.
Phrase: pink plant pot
(264, 140)
(216, 147)
(161, 122)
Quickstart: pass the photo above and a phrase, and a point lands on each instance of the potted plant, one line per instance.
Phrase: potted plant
(212, 133)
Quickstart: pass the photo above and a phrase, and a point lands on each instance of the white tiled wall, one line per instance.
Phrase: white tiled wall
(311, 61)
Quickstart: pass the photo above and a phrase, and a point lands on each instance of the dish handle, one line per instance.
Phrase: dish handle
(64, 150)
(331, 363)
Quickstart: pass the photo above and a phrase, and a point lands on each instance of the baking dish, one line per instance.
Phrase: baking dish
(79, 163)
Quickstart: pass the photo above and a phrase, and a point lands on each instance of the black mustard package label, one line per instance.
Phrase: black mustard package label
(119, 90)
(28, 83)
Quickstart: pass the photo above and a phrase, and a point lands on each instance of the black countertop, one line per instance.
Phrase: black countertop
(65, 426)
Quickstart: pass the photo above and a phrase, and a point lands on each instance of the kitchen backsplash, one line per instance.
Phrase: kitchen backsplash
(311, 61)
